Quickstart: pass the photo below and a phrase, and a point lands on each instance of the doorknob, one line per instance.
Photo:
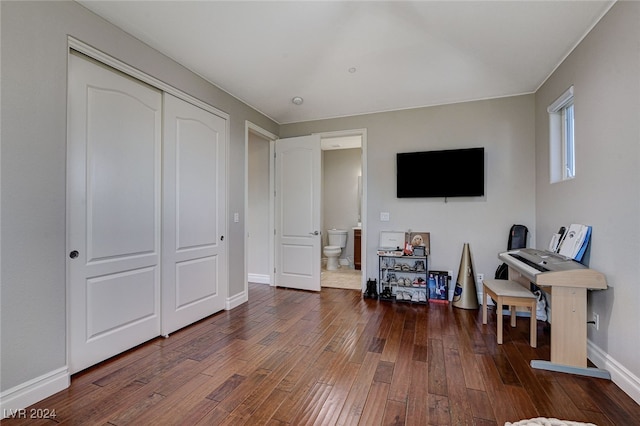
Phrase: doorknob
(314, 233)
(74, 254)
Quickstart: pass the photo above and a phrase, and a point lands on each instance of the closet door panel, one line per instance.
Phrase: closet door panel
(194, 265)
(113, 214)
(121, 173)
(197, 193)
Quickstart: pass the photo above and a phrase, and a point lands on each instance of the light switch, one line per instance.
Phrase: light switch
(384, 216)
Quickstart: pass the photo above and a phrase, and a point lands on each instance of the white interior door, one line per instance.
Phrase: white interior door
(113, 201)
(298, 240)
(194, 264)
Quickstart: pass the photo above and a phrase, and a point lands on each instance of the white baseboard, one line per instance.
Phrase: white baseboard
(28, 393)
(259, 278)
(622, 377)
(237, 300)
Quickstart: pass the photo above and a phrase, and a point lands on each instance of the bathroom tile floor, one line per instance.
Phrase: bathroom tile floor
(344, 277)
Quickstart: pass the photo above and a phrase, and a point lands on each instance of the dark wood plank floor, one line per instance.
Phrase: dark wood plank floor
(291, 358)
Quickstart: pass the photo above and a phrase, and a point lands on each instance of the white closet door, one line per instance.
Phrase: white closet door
(194, 271)
(113, 198)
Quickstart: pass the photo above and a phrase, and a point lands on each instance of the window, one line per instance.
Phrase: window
(561, 138)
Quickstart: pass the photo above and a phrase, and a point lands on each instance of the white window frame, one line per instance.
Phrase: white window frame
(562, 164)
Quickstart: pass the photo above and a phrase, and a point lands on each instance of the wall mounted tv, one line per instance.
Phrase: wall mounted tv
(444, 173)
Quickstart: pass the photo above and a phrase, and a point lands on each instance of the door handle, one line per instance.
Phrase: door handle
(74, 254)
(314, 233)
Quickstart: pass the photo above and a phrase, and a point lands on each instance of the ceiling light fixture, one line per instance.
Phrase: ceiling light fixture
(297, 100)
(352, 70)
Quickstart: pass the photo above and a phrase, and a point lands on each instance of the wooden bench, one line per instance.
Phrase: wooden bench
(511, 293)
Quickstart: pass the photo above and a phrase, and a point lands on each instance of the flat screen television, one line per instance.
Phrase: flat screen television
(444, 173)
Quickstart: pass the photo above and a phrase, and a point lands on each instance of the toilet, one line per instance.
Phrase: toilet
(337, 241)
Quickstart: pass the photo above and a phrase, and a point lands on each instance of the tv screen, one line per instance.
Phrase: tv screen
(445, 173)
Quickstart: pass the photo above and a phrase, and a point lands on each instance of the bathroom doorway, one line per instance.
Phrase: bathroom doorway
(259, 211)
(342, 206)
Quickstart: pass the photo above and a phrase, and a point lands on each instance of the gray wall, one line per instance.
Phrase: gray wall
(505, 127)
(34, 88)
(605, 72)
(340, 170)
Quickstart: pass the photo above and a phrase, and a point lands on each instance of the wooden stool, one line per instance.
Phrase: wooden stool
(506, 292)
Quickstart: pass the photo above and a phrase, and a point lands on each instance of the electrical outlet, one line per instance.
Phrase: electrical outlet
(480, 278)
(596, 320)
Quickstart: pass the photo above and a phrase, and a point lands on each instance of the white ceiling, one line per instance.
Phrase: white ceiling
(405, 54)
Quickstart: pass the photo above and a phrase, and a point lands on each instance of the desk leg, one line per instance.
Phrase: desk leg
(587, 371)
(500, 318)
(569, 326)
(569, 334)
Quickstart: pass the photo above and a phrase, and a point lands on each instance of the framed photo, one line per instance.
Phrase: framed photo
(420, 239)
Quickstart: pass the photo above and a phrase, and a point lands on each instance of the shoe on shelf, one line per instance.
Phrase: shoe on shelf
(392, 279)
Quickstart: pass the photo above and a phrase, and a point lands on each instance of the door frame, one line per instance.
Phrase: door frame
(249, 126)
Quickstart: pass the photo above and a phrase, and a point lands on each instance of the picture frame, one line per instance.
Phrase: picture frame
(420, 239)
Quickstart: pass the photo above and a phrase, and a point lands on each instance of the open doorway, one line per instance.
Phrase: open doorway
(342, 209)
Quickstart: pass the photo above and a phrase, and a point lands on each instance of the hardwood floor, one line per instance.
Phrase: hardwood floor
(290, 358)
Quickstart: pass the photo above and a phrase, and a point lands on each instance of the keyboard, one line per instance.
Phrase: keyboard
(528, 262)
